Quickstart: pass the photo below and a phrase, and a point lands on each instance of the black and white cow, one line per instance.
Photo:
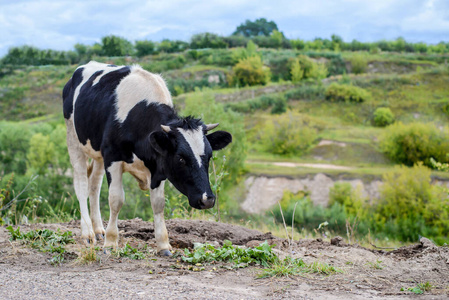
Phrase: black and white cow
(122, 117)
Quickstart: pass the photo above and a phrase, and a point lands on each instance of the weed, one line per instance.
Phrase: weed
(296, 266)
(241, 257)
(44, 240)
(130, 252)
(420, 288)
(89, 255)
(376, 265)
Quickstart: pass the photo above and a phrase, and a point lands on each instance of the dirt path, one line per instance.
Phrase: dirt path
(306, 165)
(26, 273)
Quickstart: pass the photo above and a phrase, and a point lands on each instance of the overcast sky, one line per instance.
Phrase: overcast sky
(60, 24)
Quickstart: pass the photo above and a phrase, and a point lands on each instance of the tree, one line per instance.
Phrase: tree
(116, 46)
(259, 27)
(251, 71)
(144, 48)
(207, 40)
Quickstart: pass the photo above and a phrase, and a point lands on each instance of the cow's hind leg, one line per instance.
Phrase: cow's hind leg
(80, 181)
(160, 231)
(116, 198)
(95, 180)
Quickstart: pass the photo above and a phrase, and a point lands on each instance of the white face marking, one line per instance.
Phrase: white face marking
(204, 197)
(195, 139)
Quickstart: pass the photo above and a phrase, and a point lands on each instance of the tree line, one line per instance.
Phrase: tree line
(263, 33)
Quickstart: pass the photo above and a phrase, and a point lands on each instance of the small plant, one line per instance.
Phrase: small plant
(346, 93)
(240, 257)
(383, 116)
(420, 288)
(376, 265)
(89, 255)
(130, 252)
(296, 266)
(44, 240)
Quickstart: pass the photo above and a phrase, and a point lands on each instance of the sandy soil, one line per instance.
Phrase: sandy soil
(26, 273)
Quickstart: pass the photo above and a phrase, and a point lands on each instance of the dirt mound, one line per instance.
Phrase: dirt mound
(184, 233)
(367, 273)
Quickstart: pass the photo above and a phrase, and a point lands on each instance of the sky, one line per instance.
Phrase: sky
(60, 24)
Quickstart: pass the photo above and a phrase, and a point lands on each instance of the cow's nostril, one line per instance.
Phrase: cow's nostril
(208, 202)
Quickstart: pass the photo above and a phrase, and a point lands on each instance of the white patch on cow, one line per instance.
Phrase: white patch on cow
(204, 197)
(138, 86)
(107, 70)
(195, 139)
(138, 169)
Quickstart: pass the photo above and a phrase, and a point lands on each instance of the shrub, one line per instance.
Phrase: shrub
(280, 106)
(346, 93)
(351, 199)
(359, 63)
(307, 92)
(144, 48)
(416, 142)
(383, 116)
(410, 206)
(289, 134)
(262, 102)
(251, 71)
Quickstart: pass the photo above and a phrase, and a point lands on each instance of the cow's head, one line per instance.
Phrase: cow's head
(183, 157)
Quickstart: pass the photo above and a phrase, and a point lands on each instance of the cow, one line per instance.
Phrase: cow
(121, 119)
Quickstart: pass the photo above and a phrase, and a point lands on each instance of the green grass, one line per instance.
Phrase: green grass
(44, 240)
(296, 266)
(130, 252)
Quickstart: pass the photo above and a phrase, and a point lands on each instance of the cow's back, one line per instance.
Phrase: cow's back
(99, 97)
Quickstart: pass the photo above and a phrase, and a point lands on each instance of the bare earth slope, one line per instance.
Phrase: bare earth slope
(25, 273)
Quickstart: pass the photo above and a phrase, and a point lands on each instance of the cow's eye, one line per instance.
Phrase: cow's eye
(182, 160)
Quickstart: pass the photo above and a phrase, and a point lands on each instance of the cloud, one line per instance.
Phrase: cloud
(61, 24)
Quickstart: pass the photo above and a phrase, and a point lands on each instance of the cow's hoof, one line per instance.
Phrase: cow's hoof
(99, 237)
(165, 252)
(107, 250)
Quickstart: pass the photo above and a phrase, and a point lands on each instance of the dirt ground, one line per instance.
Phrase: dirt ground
(26, 273)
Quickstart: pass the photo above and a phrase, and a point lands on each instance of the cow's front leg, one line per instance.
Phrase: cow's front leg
(116, 198)
(160, 231)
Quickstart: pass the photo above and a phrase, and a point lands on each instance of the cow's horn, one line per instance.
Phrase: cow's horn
(211, 126)
(165, 128)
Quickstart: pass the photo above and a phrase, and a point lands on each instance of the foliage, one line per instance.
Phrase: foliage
(350, 199)
(251, 71)
(306, 92)
(44, 240)
(130, 252)
(359, 63)
(288, 134)
(207, 40)
(296, 266)
(258, 27)
(203, 105)
(262, 102)
(416, 142)
(239, 256)
(296, 71)
(410, 206)
(420, 288)
(383, 116)
(347, 93)
(144, 48)
(116, 46)
(280, 106)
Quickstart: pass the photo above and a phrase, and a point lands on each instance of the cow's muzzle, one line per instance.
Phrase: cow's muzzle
(207, 201)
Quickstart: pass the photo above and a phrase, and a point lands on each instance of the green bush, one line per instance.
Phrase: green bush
(288, 134)
(416, 142)
(383, 116)
(251, 71)
(280, 106)
(351, 199)
(359, 63)
(410, 206)
(347, 93)
(307, 92)
(262, 102)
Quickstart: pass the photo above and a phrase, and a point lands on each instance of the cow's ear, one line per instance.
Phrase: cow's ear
(160, 142)
(219, 139)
